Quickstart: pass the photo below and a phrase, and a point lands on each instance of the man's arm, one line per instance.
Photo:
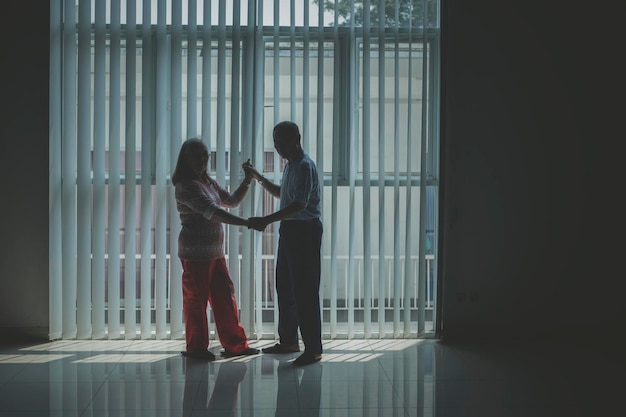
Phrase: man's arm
(269, 186)
(260, 223)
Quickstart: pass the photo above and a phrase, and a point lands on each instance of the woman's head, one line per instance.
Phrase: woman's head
(192, 161)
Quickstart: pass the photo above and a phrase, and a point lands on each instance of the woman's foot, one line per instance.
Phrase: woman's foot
(200, 354)
(246, 352)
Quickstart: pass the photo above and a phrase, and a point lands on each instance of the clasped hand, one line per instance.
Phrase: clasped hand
(257, 223)
(249, 171)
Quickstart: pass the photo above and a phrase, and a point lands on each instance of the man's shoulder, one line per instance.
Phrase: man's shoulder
(307, 160)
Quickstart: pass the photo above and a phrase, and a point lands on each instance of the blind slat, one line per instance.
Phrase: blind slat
(421, 292)
(130, 169)
(99, 171)
(145, 218)
(68, 173)
(319, 137)
(55, 242)
(234, 145)
(258, 159)
(381, 174)
(397, 266)
(367, 198)
(247, 300)
(114, 220)
(163, 136)
(191, 128)
(83, 181)
(174, 138)
(408, 264)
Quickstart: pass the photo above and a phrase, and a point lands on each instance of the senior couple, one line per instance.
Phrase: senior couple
(201, 203)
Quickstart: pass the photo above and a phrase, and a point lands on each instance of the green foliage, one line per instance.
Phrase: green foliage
(406, 13)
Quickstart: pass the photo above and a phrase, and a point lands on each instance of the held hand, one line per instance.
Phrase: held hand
(249, 171)
(257, 223)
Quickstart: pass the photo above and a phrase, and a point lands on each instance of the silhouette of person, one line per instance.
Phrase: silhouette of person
(206, 278)
(308, 386)
(224, 396)
(298, 261)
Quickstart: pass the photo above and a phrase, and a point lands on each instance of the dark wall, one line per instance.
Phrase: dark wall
(24, 46)
(533, 179)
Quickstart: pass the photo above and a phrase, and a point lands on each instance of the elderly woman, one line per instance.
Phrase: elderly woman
(199, 200)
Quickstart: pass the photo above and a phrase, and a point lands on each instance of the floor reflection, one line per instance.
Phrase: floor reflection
(218, 395)
(307, 381)
(400, 378)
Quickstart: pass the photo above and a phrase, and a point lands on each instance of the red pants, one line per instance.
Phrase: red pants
(209, 281)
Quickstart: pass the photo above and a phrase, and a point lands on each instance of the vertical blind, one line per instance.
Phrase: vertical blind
(130, 80)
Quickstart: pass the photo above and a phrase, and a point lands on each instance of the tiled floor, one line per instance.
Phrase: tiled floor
(400, 378)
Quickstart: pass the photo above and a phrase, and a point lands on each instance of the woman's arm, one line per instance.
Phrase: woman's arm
(235, 198)
(228, 218)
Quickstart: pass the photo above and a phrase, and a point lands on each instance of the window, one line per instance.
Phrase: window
(151, 73)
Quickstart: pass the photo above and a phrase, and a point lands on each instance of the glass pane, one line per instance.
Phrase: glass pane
(287, 68)
(381, 245)
(402, 120)
(396, 13)
(121, 109)
(185, 10)
(288, 81)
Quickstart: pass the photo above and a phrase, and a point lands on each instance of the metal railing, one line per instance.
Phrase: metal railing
(340, 306)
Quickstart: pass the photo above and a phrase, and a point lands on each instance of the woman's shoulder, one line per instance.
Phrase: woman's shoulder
(188, 184)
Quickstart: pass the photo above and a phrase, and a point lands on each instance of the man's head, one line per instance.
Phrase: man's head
(287, 140)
